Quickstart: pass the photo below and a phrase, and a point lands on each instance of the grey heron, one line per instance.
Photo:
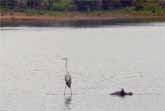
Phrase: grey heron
(68, 78)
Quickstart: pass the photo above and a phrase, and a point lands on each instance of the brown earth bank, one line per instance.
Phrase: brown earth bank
(79, 17)
(46, 19)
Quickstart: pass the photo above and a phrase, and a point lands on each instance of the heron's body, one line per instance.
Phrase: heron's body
(68, 78)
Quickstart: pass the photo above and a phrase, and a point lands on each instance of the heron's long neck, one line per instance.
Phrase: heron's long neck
(66, 67)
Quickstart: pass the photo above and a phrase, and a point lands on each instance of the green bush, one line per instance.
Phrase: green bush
(3, 9)
(129, 9)
(63, 5)
(31, 12)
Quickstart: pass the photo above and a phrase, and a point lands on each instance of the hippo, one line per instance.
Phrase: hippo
(122, 93)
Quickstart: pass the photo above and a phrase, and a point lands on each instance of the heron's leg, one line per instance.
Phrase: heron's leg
(71, 90)
(65, 90)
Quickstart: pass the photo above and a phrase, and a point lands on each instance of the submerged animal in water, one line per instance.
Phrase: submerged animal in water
(68, 78)
(122, 93)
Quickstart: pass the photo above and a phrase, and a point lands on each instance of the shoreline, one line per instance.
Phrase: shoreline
(66, 19)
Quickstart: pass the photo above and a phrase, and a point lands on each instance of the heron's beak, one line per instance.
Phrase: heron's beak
(64, 58)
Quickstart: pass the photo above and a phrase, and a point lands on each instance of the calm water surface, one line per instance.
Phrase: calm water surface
(101, 60)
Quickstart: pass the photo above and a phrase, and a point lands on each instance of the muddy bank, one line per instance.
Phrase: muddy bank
(80, 20)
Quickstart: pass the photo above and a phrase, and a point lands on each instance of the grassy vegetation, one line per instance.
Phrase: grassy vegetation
(157, 11)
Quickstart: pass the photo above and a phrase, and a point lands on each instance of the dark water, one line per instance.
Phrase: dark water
(101, 60)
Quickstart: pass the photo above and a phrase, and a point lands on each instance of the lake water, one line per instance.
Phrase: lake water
(101, 60)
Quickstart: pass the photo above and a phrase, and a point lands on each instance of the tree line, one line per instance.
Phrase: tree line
(79, 5)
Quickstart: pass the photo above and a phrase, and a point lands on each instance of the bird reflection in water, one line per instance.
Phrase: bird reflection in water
(67, 102)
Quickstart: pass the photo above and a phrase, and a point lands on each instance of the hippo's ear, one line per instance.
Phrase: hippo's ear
(130, 93)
